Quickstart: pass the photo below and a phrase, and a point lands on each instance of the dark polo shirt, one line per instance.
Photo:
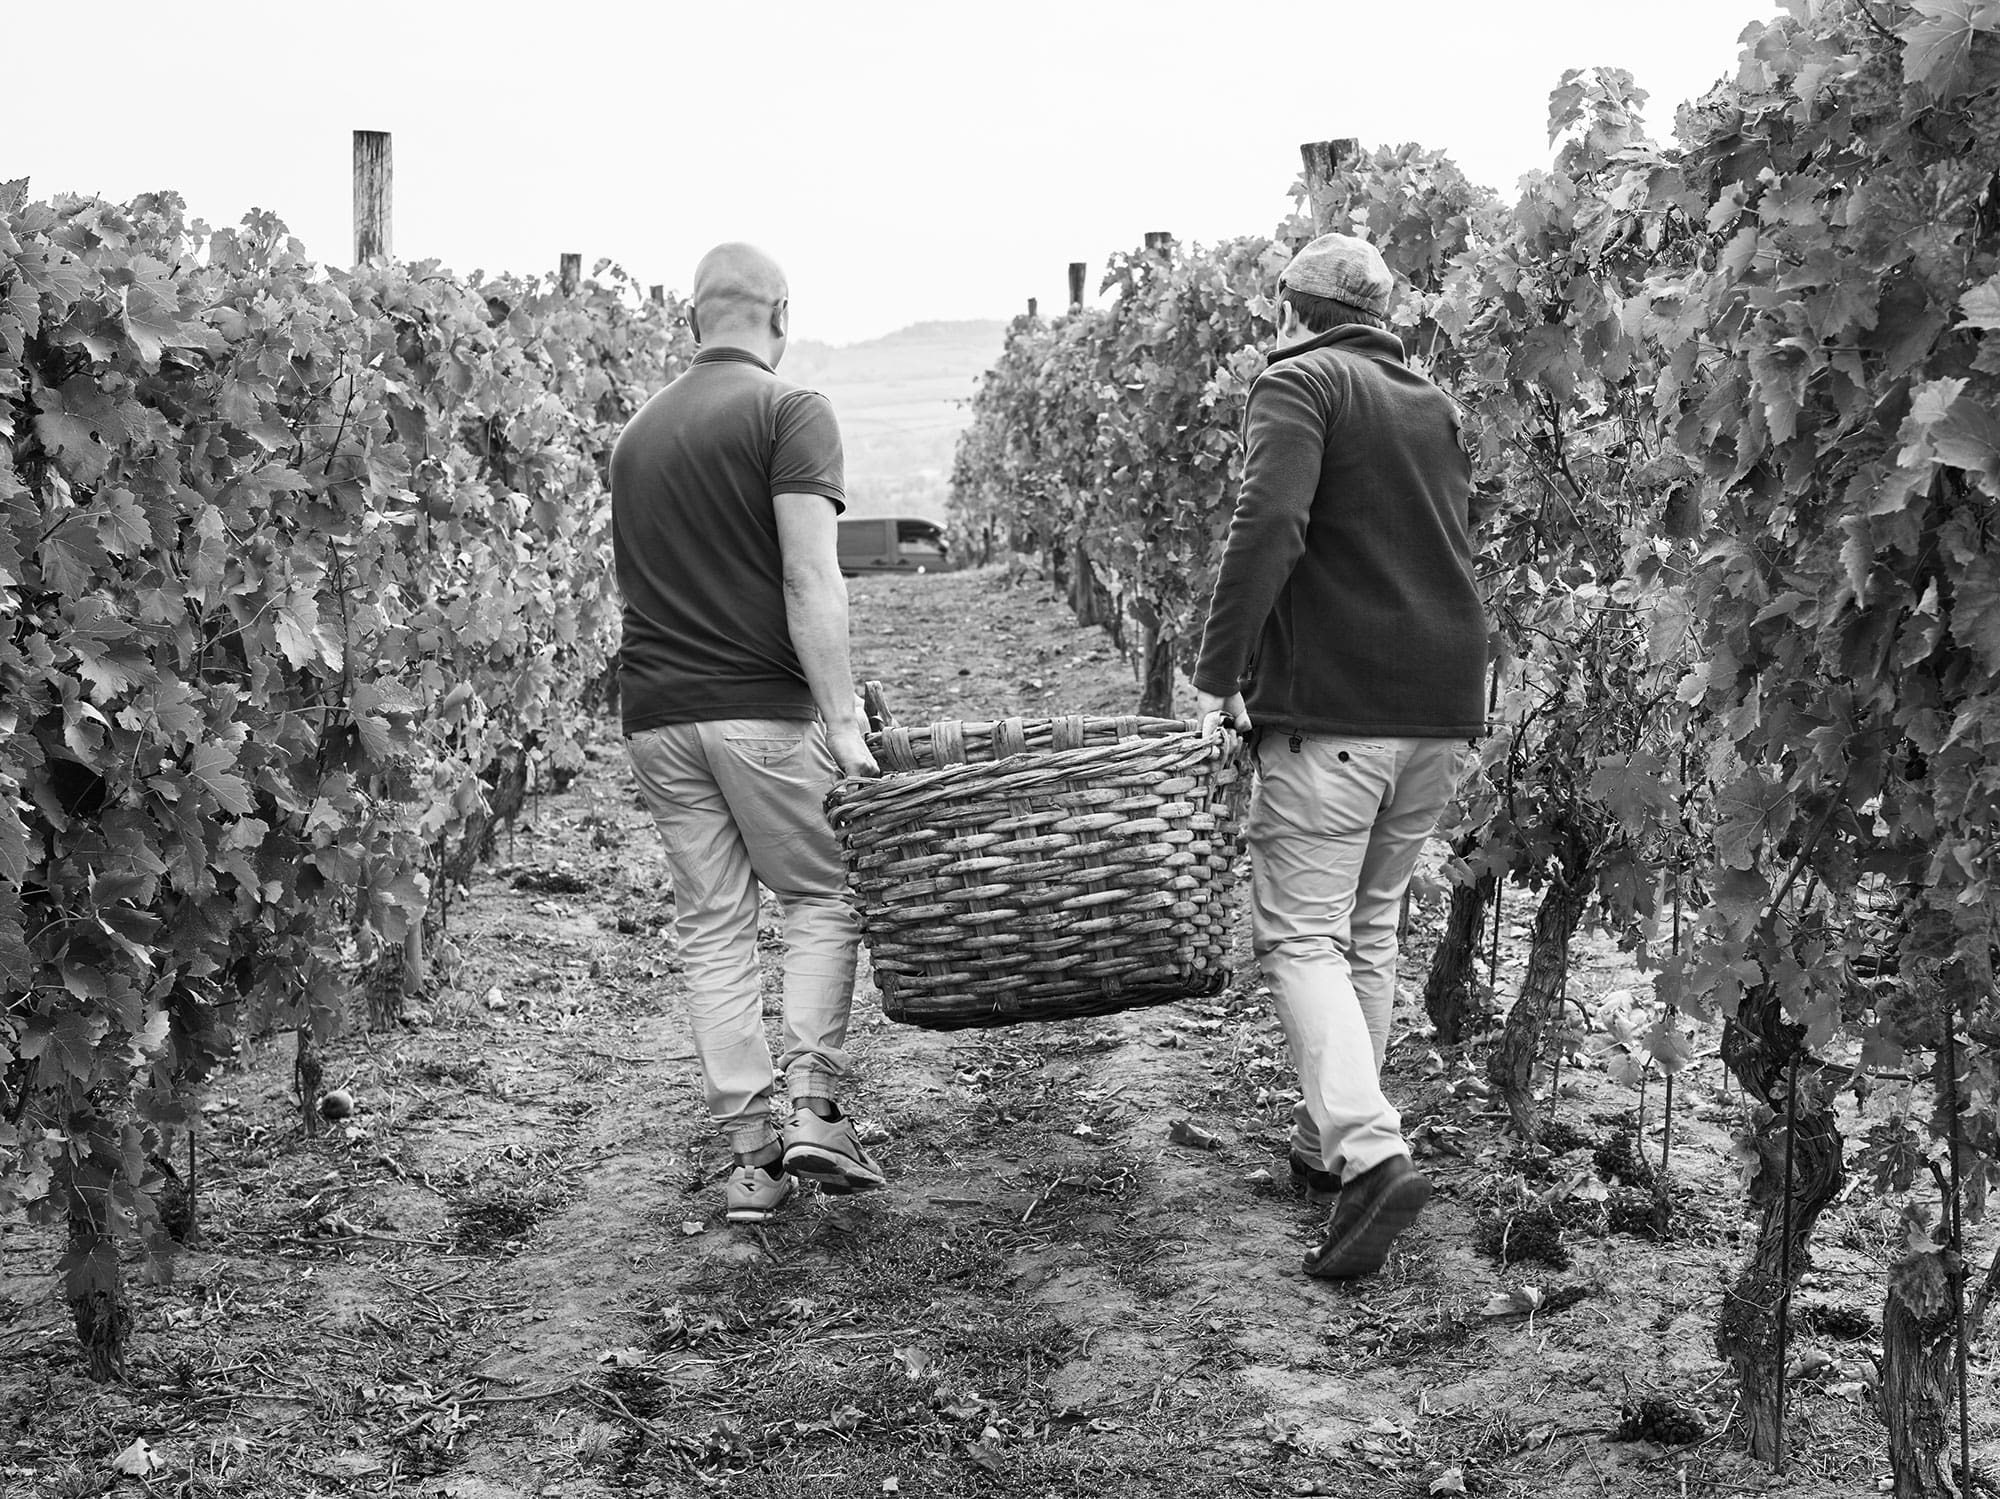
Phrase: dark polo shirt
(695, 538)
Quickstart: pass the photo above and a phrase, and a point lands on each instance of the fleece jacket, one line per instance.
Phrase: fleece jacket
(1346, 602)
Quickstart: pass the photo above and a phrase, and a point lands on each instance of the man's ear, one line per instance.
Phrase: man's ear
(694, 322)
(781, 317)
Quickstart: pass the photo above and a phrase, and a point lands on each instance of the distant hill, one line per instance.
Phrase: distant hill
(901, 400)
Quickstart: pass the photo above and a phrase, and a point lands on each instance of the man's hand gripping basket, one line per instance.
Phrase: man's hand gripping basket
(1043, 869)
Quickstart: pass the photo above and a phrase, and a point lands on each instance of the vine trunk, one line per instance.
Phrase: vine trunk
(1759, 1046)
(1451, 992)
(1919, 1375)
(1511, 1068)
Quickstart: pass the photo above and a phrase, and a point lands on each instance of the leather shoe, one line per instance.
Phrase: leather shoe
(1374, 1208)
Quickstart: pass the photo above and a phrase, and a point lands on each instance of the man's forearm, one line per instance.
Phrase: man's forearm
(816, 613)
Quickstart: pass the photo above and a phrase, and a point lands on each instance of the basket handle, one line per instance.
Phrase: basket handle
(875, 704)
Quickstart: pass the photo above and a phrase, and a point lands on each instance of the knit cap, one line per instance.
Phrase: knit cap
(1344, 268)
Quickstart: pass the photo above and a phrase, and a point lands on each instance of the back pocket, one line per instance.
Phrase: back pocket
(768, 751)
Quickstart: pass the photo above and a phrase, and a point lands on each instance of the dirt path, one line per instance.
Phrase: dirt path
(508, 1274)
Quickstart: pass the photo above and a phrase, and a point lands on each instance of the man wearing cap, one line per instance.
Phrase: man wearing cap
(740, 714)
(1347, 628)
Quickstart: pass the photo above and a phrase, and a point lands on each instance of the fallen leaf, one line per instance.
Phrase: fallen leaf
(1183, 1132)
(693, 1226)
(137, 1460)
(890, 1486)
(1518, 1301)
(916, 1362)
(1451, 1481)
(622, 1358)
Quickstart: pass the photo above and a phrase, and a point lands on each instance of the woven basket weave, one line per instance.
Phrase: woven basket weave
(1043, 869)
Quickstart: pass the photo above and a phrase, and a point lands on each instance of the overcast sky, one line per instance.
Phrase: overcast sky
(904, 161)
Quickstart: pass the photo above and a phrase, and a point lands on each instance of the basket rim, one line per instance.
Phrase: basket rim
(1191, 752)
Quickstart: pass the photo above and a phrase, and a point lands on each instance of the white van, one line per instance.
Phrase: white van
(891, 544)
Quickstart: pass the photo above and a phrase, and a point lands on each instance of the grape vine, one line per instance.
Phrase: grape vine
(295, 564)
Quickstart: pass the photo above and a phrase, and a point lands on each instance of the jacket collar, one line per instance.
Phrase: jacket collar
(1376, 343)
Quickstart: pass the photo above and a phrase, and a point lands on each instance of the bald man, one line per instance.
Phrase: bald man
(740, 715)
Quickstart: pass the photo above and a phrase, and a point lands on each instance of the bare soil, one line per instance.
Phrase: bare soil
(508, 1275)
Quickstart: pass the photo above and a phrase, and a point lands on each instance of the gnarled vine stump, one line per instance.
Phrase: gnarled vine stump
(1511, 1068)
(1156, 669)
(1451, 992)
(1919, 1375)
(1760, 1047)
(93, 1277)
(1090, 601)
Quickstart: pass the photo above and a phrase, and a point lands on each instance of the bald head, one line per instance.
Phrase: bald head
(736, 286)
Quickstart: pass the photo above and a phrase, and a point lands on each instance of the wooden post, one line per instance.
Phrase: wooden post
(659, 295)
(1161, 243)
(1076, 270)
(1322, 160)
(373, 177)
(1031, 307)
(571, 272)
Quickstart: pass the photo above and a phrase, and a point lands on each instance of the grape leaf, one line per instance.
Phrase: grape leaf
(296, 624)
(1634, 788)
(213, 768)
(122, 527)
(1938, 41)
(17, 965)
(1753, 807)
(211, 557)
(73, 559)
(14, 848)
(1967, 436)
(1975, 612)
(67, 1041)
(1981, 305)
(75, 439)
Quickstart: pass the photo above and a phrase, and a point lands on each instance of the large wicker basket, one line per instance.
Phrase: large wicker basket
(1043, 869)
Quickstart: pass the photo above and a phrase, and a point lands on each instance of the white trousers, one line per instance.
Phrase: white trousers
(1335, 830)
(738, 802)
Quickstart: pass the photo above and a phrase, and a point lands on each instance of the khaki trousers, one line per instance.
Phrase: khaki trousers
(1335, 830)
(739, 802)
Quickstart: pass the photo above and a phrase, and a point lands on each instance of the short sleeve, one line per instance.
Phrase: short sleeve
(805, 451)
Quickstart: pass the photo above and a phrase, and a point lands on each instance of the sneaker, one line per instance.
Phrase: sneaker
(828, 1151)
(1373, 1209)
(754, 1194)
(1317, 1187)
